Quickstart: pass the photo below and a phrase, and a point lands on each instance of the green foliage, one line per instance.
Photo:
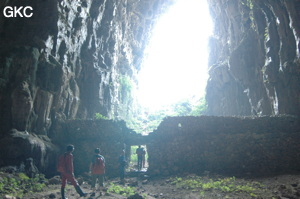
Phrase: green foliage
(99, 116)
(126, 87)
(226, 185)
(21, 184)
(199, 108)
(38, 182)
(182, 108)
(133, 156)
(147, 121)
(125, 82)
(266, 35)
(121, 190)
(23, 176)
(250, 4)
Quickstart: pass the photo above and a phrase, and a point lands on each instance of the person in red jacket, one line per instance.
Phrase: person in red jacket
(68, 173)
(97, 169)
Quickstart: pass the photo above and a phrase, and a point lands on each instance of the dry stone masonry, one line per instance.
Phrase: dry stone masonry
(225, 145)
(237, 146)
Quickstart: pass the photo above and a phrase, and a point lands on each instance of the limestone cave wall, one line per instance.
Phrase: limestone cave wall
(238, 146)
(254, 58)
(66, 61)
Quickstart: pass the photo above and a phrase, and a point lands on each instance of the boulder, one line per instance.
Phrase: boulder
(18, 146)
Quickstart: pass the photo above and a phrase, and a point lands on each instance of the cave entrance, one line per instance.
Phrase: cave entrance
(133, 160)
(174, 72)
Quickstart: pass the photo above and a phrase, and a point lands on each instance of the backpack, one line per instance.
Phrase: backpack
(61, 164)
(98, 165)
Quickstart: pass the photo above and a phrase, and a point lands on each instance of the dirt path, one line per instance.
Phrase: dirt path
(188, 187)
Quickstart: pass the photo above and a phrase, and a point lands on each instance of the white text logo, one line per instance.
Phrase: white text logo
(15, 11)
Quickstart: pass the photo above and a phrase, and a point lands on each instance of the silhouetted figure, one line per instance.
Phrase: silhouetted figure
(122, 166)
(140, 151)
(30, 169)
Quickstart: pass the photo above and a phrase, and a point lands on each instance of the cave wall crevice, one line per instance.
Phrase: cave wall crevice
(258, 44)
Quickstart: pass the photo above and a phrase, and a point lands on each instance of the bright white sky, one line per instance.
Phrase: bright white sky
(176, 65)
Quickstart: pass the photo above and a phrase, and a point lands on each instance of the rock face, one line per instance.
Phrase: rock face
(254, 58)
(19, 146)
(67, 61)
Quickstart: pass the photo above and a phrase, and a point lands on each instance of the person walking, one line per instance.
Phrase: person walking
(66, 169)
(97, 168)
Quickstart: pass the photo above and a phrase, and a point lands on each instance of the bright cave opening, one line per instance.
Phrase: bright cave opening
(174, 73)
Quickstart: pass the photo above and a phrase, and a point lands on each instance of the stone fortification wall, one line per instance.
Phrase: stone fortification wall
(225, 145)
(86, 135)
(222, 145)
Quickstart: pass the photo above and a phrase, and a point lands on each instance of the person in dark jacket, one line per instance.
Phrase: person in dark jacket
(68, 174)
(140, 152)
(122, 165)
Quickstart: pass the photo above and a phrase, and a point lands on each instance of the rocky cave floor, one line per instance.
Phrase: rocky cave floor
(180, 187)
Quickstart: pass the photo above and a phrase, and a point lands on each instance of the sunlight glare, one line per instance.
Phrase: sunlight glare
(175, 67)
